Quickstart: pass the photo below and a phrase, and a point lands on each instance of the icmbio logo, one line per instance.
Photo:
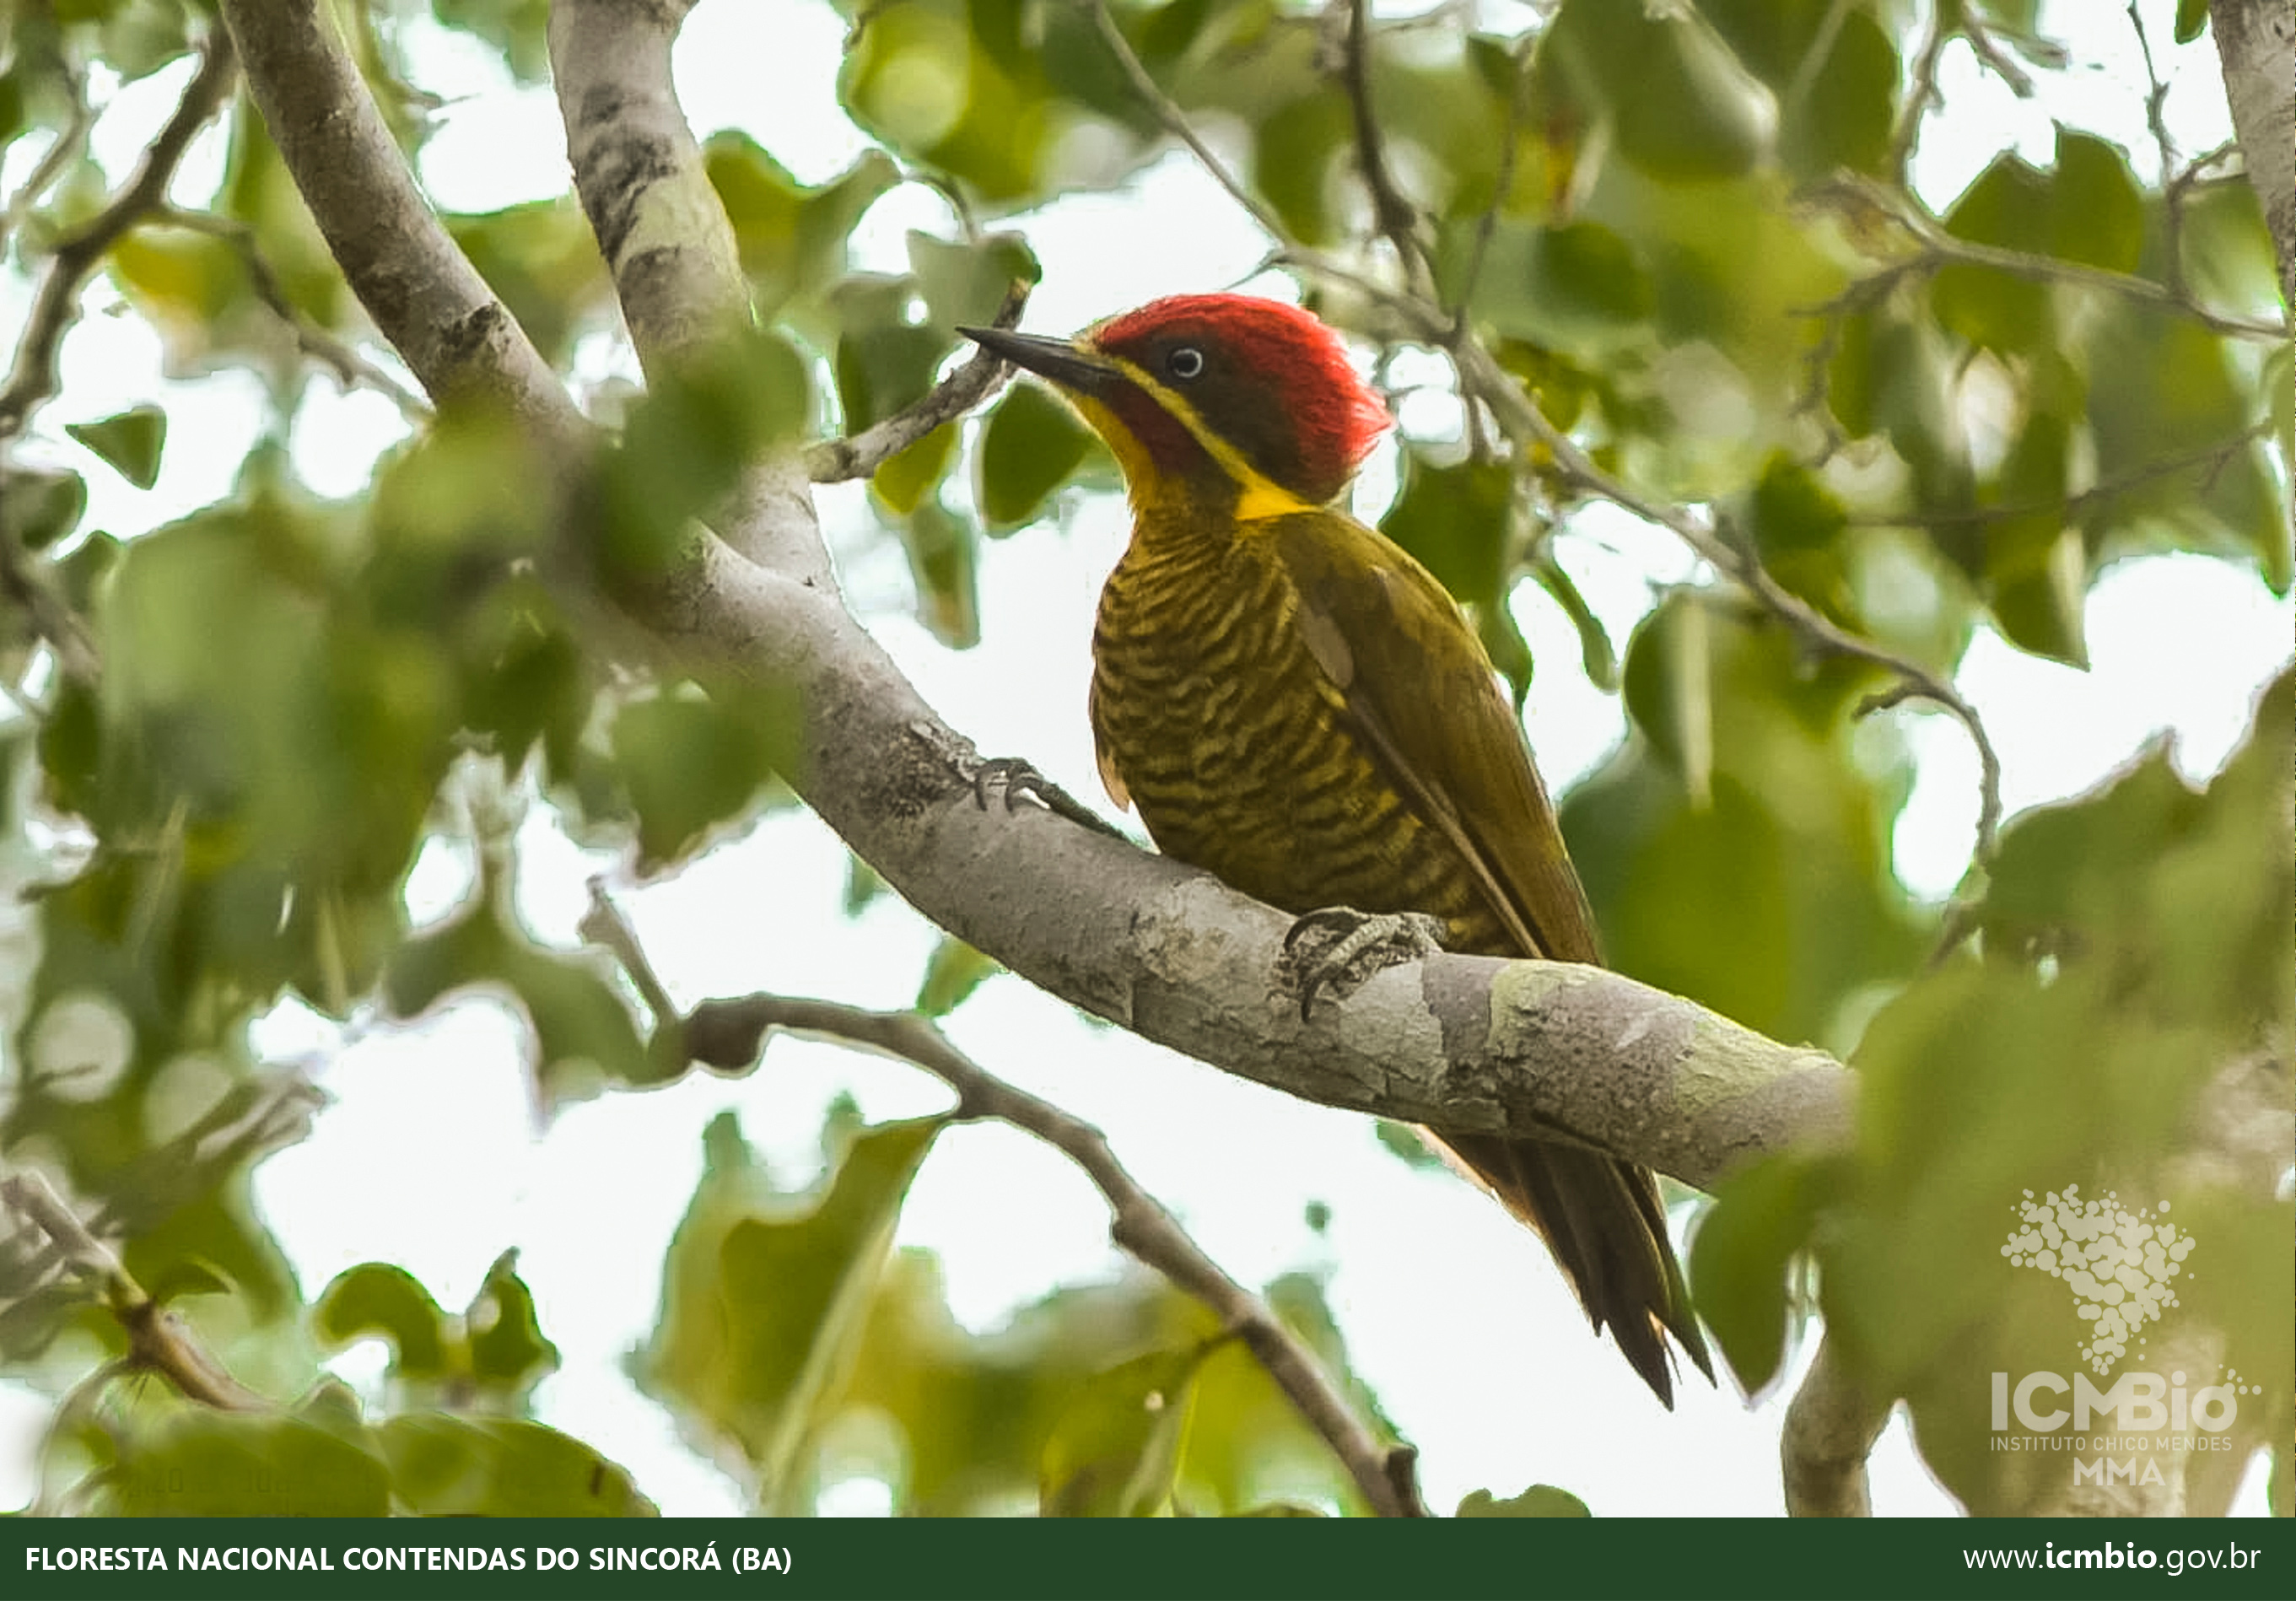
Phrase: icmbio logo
(2121, 1267)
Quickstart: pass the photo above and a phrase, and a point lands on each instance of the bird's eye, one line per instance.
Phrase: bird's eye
(1185, 362)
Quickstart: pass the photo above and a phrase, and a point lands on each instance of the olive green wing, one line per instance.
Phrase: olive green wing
(1422, 695)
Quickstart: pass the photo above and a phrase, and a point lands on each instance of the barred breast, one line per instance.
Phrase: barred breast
(1235, 747)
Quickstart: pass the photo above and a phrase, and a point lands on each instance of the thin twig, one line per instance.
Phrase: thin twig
(350, 367)
(1394, 215)
(1523, 420)
(726, 1036)
(33, 379)
(24, 582)
(1922, 91)
(2211, 456)
(71, 139)
(835, 461)
(1979, 32)
(158, 1341)
(1177, 124)
(1934, 248)
(1486, 225)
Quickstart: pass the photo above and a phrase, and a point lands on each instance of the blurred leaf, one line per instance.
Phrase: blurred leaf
(507, 1349)
(2192, 18)
(944, 550)
(954, 972)
(543, 260)
(442, 1465)
(1598, 657)
(197, 1463)
(129, 442)
(376, 1298)
(1540, 1501)
(862, 885)
(514, 27)
(966, 282)
(763, 1310)
(1760, 1219)
(38, 507)
(1771, 897)
(792, 239)
(1454, 518)
(907, 476)
(1117, 1449)
(1578, 288)
(2135, 943)
(692, 763)
(1402, 1141)
(1029, 447)
(1680, 106)
(578, 1016)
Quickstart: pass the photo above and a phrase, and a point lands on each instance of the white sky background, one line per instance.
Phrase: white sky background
(430, 1158)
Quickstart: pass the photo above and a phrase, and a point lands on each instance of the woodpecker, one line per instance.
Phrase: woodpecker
(1296, 706)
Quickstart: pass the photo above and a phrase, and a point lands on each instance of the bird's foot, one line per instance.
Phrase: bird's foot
(1341, 948)
(1017, 778)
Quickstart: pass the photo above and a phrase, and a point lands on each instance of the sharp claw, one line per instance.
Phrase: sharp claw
(1338, 947)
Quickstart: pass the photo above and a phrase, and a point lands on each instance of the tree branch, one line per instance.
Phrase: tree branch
(158, 1341)
(339, 356)
(658, 222)
(1830, 1430)
(33, 378)
(2256, 42)
(835, 461)
(728, 1035)
(422, 292)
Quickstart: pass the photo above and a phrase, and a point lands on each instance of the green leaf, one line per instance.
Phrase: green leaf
(791, 239)
(514, 27)
(1116, 1450)
(944, 552)
(1453, 516)
(903, 481)
(376, 1298)
(951, 976)
(763, 1307)
(442, 1465)
(694, 763)
(1682, 108)
(196, 1463)
(1578, 288)
(579, 1019)
(38, 507)
(1540, 1501)
(2192, 18)
(966, 282)
(1738, 1257)
(507, 1349)
(1029, 447)
(1404, 1142)
(1768, 895)
(1596, 655)
(129, 442)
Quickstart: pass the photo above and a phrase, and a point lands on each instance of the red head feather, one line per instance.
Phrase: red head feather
(1276, 382)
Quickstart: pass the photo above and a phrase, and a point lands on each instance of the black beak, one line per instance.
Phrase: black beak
(1053, 359)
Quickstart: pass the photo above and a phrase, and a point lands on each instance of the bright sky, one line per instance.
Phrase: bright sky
(430, 1156)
